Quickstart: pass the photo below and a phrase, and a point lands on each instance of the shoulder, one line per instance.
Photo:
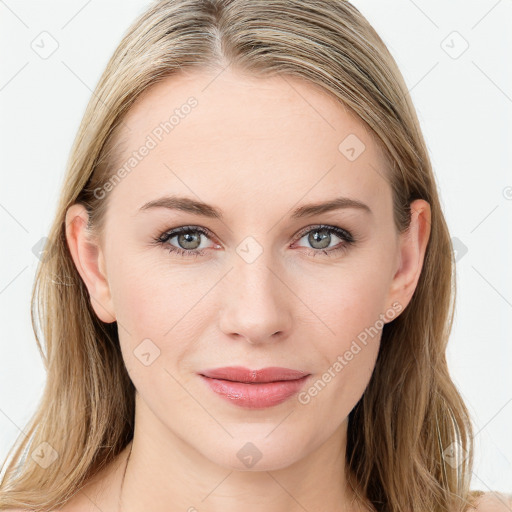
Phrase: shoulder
(25, 510)
(100, 492)
(492, 502)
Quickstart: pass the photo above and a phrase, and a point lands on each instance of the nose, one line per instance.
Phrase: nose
(255, 304)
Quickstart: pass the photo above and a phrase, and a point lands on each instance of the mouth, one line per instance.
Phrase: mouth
(254, 389)
(245, 375)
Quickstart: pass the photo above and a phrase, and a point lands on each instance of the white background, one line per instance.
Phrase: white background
(465, 109)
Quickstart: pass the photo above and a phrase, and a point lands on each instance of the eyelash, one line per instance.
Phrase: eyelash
(345, 235)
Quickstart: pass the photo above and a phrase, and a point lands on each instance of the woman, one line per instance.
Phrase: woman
(249, 285)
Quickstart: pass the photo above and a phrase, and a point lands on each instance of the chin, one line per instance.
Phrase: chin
(261, 452)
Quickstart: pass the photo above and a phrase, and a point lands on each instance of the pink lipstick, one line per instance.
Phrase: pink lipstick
(254, 389)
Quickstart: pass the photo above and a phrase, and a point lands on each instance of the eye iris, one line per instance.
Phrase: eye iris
(191, 240)
(324, 239)
(186, 240)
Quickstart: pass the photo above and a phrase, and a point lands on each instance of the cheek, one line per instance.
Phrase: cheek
(348, 313)
(345, 300)
(151, 295)
(154, 332)
(161, 310)
(346, 350)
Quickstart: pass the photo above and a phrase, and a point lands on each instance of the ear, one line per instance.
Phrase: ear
(413, 244)
(89, 261)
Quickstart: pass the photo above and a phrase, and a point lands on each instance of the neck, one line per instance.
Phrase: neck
(178, 476)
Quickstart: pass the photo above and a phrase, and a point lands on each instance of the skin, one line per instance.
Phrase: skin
(256, 149)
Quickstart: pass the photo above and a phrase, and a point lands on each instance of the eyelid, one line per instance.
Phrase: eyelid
(340, 232)
(171, 233)
(346, 237)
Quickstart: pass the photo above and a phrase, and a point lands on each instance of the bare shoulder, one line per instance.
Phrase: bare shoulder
(493, 502)
(99, 493)
(86, 499)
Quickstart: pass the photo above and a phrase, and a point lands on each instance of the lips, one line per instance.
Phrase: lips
(254, 389)
(241, 374)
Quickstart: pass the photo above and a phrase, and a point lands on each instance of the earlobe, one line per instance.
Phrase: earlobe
(413, 244)
(88, 259)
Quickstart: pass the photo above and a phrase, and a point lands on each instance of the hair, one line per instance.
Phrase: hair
(410, 415)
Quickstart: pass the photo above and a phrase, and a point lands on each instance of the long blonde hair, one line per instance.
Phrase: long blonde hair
(410, 436)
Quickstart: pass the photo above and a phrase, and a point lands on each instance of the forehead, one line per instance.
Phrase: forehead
(232, 137)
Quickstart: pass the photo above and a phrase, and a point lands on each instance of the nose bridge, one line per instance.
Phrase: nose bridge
(255, 304)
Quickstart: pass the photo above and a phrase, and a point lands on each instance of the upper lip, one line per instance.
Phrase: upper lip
(241, 374)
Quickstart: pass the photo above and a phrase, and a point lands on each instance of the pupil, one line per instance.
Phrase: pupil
(323, 239)
(187, 241)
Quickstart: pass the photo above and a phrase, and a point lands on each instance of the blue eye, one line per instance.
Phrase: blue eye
(188, 236)
(319, 238)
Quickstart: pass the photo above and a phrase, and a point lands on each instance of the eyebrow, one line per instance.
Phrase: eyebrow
(189, 205)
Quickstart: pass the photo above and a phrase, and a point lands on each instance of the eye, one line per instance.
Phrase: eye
(321, 239)
(188, 240)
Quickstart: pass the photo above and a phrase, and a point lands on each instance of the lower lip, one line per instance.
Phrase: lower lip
(255, 396)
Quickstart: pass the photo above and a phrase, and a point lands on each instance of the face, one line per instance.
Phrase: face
(265, 282)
